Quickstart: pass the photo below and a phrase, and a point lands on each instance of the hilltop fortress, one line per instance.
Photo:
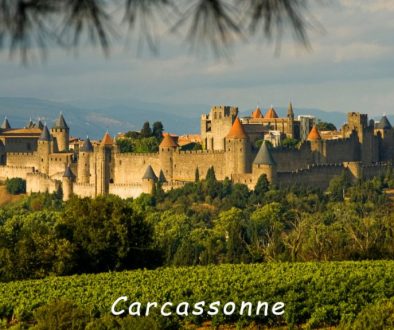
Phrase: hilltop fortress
(45, 159)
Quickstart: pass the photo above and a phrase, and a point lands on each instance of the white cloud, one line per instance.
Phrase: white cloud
(372, 6)
(362, 51)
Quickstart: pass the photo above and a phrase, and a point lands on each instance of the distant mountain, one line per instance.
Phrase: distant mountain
(85, 119)
(94, 122)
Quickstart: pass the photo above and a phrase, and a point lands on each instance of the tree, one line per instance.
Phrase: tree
(289, 142)
(338, 186)
(211, 176)
(107, 232)
(26, 25)
(158, 129)
(325, 126)
(146, 130)
(16, 186)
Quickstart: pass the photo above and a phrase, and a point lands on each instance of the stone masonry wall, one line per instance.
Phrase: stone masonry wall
(130, 167)
(186, 162)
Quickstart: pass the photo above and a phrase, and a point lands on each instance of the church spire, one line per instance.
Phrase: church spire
(290, 112)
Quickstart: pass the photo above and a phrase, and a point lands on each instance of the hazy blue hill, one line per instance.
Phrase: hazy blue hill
(95, 121)
(95, 118)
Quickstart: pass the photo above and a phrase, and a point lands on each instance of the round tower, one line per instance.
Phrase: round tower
(149, 180)
(85, 153)
(166, 156)
(264, 163)
(316, 144)
(237, 150)
(67, 183)
(61, 134)
(44, 149)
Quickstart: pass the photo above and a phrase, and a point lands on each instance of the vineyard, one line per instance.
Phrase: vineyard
(316, 294)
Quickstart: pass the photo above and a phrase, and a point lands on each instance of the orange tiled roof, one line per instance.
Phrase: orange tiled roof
(314, 134)
(168, 142)
(257, 113)
(271, 113)
(237, 130)
(107, 140)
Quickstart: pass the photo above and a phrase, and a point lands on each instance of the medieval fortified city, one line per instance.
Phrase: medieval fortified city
(46, 159)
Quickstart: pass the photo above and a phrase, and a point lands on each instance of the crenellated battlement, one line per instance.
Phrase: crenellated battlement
(200, 152)
(135, 154)
(29, 154)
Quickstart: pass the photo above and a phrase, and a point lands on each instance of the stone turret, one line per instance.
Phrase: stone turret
(67, 183)
(237, 150)
(61, 134)
(264, 163)
(85, 154)
(149, 180)
(5, 124)
(316, 144)
(166, 155)
(44, 149)
(103, 165)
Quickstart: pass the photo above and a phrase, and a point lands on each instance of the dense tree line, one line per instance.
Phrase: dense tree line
(204, 222)
(144, 141)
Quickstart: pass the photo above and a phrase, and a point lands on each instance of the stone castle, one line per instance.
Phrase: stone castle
(48, 163)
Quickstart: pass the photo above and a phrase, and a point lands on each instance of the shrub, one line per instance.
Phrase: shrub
(16, 186)
(61, 315)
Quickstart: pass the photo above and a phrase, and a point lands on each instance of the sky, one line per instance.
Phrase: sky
(350, 67)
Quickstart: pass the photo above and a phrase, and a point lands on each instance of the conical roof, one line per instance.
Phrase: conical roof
(314, 134)
(271, 113)
(257, 113)
(237, 130)
(264, 156)
(5, 124)
(60, 122)
(384, 123)
(30, 124)
(68, 173)
(162, 177)
(40, 125)
(86, 146)
(45, 136)
(107, 140)
(149, 174)
(168, 142)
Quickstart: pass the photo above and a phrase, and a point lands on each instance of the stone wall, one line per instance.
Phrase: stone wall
(84, 190)
(125, 190)
(289, 160)
(58, 164)
(342, 150)
(315, 176)
(186, 162)
(130, 167)
(14, 172)
(41, 183)
(22, 159)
